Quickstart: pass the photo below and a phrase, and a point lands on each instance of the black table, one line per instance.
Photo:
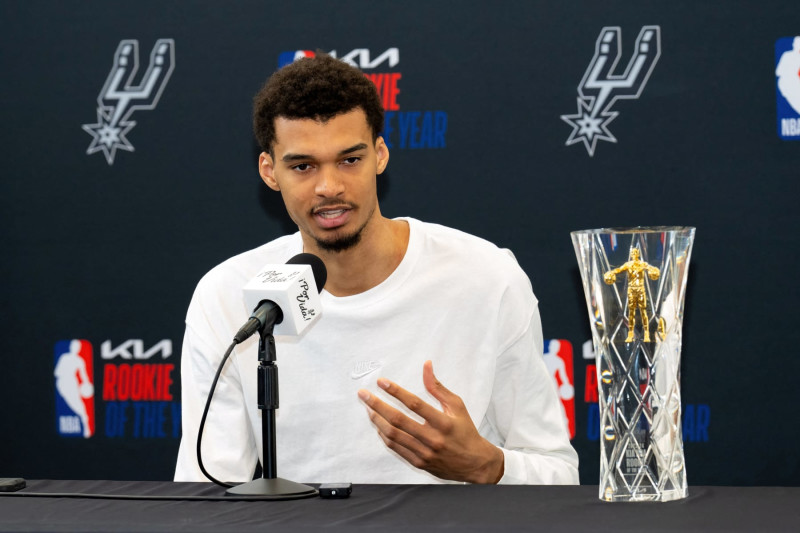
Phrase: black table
(391, 508)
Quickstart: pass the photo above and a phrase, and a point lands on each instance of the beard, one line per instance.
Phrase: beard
(340, 243)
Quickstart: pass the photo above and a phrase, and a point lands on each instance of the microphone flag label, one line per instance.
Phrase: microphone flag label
(74, 382)
(292, 287)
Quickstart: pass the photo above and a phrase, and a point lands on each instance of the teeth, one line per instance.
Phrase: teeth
(331, 214)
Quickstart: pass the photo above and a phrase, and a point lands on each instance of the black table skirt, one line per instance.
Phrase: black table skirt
(391, 508)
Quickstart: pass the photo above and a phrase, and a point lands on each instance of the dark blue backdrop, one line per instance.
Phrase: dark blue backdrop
(107, 246)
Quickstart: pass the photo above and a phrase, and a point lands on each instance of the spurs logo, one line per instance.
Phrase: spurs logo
(119, 98)
(600, 87)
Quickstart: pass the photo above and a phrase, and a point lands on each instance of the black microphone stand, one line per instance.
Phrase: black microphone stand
(270, 486)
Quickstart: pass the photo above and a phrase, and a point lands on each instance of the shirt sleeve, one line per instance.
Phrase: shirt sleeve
(229, 450)
(527, 418)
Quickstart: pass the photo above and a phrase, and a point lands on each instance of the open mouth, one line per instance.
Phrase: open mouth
(331, 214)
(332, 217)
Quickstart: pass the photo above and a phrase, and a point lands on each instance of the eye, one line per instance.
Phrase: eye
(352, 160)
(302, 167)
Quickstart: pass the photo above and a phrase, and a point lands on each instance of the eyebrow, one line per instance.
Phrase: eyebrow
(299, 157)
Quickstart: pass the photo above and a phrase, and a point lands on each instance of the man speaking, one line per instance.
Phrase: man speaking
(426, 364)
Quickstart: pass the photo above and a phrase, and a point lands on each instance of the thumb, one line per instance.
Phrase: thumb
(447, 399)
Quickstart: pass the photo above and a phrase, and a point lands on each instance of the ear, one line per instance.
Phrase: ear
(382, 153)
(267, 171)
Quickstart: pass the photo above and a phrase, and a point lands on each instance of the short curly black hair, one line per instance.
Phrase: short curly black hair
(318, 88)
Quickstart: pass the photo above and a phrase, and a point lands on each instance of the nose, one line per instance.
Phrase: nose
(329, 184)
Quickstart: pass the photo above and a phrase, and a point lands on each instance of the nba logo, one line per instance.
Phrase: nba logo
(787, 72)
(286, 58)
(558, 359)
(74, 375)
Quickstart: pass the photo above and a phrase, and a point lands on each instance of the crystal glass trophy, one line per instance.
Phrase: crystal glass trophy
(634, 280)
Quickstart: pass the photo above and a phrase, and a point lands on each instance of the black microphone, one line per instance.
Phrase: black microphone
(283, 296)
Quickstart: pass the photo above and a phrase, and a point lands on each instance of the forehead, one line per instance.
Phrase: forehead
(309, 136)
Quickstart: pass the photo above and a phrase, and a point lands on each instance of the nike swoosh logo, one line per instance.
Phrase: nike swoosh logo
(364, 368)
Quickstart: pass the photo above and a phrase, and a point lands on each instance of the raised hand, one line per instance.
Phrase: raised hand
(446, 444)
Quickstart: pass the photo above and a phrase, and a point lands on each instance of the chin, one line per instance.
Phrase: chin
(339, 243)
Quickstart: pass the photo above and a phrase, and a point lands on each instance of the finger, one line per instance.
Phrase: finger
(419, 438)
(389, 414)
(392, 424)
(416, 452)
(396, 438)
(404, 452)
(449, 401)
(414, 403)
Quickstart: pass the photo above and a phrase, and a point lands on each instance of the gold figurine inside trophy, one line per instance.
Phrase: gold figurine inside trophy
(637, 297)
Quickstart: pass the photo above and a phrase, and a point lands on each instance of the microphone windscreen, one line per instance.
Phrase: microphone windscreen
(317, 267)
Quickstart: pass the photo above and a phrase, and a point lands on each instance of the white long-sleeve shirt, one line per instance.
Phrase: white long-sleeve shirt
(454, 299)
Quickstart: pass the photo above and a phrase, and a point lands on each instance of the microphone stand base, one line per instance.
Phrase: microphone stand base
(272, 489)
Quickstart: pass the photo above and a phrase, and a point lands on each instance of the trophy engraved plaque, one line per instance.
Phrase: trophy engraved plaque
(634, 280)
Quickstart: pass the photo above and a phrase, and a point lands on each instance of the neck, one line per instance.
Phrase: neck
(382, 247)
